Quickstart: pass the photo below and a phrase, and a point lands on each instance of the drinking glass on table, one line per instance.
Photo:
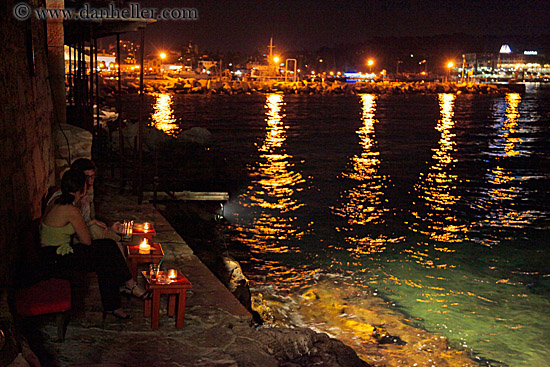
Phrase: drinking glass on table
(127, 230)
(153, 271)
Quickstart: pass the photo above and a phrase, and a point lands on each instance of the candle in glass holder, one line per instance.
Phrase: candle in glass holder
(144, 247)
(172, 274)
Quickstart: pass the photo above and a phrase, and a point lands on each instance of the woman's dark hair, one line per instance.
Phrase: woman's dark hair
(72, 181)
(83, 164)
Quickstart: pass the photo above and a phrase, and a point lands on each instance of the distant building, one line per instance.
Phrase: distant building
(106, 61)
(190, 56)
(507, 64)
(69, 53)
(207, 64)
(259, 71)
(153, 66)
(128, 51)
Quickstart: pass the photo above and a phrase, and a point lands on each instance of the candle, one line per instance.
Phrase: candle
(144, 247)
(172, 274)
(146, 227)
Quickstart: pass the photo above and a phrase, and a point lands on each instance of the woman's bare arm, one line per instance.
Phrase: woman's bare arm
(75, 217)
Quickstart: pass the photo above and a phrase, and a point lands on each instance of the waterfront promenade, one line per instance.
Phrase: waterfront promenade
(218, 330)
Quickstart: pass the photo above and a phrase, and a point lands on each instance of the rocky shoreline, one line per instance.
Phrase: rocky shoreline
(380, 336)
(212, 86)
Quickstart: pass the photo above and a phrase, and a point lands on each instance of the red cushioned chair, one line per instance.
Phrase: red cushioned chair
(46, 297)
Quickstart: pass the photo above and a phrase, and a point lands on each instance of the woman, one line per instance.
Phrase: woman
(97, 228)
(60, 222)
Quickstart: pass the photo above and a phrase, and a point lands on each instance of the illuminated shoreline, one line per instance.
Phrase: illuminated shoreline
(209, 87)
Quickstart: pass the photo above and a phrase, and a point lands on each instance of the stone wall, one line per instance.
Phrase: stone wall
(26, 117)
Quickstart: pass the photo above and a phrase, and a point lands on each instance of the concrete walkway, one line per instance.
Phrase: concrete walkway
(211, 311)
(218, 330)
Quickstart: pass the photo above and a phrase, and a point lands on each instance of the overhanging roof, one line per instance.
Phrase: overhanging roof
(78, 30)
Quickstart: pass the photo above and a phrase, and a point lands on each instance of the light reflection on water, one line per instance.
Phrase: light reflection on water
(436, 190)
(365, 202)
(505, 186)
(270, 201)
(457, 289)
(433, 201)
(163, 114)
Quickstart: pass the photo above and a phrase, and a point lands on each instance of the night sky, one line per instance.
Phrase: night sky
(245, 26)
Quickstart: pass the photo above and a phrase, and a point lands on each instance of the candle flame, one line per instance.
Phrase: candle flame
(144, 247)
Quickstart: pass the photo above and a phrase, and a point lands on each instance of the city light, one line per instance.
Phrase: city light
(450, 65)
(370, 63)
(162, 55)
(276, 59)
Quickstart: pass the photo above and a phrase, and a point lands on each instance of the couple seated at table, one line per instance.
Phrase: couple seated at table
(97, 228)
(61, 221)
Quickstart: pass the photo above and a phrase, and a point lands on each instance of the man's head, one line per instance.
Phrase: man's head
(88, 167)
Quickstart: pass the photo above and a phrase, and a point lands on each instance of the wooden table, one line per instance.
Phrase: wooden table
(140, 232)
(177, 293)
(135, 258)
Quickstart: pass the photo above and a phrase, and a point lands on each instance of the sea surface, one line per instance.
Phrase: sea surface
(437, 203)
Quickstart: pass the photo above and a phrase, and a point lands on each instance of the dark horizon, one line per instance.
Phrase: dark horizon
(246, 26)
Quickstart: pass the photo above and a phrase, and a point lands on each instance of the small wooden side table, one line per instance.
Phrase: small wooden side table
(140, 232)
(177, 294)
(135, 258)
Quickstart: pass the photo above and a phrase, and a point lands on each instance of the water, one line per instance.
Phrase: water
(439, 203)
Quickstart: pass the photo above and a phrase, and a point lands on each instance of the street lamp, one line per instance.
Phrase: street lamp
(162, 55)
(370, 63)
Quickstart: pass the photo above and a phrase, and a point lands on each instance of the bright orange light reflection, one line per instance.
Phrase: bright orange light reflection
(163, 114)
(274, 191)
(369, 245)
(436, 188)
(365, 203)
(511, 123)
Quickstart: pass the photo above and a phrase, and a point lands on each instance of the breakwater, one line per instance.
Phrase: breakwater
(211, 86)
